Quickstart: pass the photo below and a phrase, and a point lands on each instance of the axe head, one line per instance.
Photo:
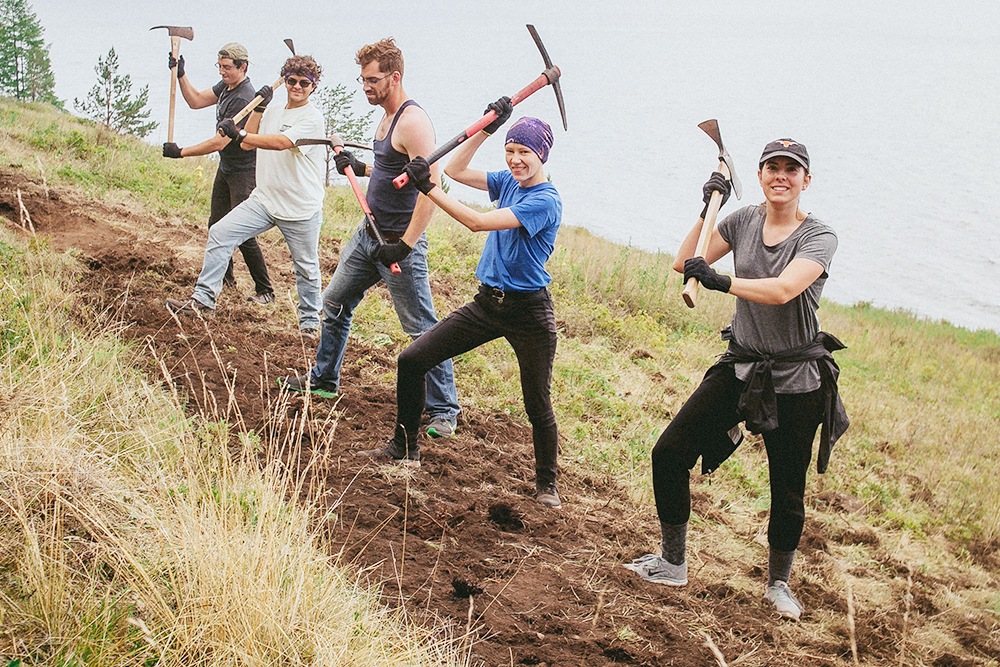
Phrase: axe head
(711, 128)
(552, 73)
(177, 31)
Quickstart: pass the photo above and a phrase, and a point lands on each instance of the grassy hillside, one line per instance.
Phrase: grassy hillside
(232, 573)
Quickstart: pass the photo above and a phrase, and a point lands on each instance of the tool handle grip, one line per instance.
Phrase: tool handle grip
(175, 47)
(245, 111)
(690, 292)
(352, 178)
(550, 75)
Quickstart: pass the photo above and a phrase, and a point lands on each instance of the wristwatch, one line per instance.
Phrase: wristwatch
(242, 134)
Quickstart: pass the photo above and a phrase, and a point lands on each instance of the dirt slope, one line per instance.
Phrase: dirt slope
(460, 540)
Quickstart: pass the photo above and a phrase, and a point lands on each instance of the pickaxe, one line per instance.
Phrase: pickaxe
(176, 33)
(726, 168)
(549, 76)
(245, 111)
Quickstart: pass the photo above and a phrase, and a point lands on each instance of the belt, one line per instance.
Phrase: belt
(389, 238)
(499, 295)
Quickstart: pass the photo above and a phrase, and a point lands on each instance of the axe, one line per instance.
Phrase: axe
(175, 33)
(549, 76)
(711, 128)
(245, 111)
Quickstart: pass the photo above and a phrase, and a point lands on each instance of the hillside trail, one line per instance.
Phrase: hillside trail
(459, 543)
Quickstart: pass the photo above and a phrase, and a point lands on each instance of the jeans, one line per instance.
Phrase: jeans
(247, 221)
(227, 192)
(528, 323)
(411, 296)
(710, 411)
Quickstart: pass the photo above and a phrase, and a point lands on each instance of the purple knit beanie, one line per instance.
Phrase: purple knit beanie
(533, 133)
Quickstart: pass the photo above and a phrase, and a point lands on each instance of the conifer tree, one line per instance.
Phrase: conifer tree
(338, 117)
(25, 70)
(110, 101)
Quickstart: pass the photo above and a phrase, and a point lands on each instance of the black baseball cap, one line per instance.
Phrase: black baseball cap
(787, 148)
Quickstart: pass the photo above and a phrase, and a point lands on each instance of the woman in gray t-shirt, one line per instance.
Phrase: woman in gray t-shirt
(781, 256)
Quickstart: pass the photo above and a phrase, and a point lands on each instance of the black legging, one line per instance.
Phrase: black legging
(708, 414)
(228, 192)
(528, 323)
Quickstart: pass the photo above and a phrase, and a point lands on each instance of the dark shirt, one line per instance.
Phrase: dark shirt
(232, 158)
(390, 207)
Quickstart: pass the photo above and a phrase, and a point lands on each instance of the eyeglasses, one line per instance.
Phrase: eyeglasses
(371, 81)
(301, 83)
(227, 68)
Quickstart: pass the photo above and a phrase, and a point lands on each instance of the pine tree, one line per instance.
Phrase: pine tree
(110, 101)
(338, 117)
(25, 70)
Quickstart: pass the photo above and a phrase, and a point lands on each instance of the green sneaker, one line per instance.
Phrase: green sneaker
(441, 427)
(302, 384)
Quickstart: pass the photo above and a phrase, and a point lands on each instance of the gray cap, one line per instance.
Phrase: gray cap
(234, 51)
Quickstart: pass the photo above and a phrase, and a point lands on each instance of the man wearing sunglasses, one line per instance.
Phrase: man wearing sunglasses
(289, 194)
(402, 215)
(235, 175)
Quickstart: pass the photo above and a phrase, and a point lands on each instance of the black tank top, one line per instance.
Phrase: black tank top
(392, 208)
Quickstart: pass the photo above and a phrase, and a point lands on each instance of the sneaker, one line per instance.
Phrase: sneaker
(549, 496)
(780, 595)
(393, 452)
(188, 307)
(262, 299)
(441, 427)
(658, 570)
(303, 384)
(309, 335)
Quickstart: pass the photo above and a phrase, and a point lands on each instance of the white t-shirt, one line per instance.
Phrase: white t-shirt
(290, 182)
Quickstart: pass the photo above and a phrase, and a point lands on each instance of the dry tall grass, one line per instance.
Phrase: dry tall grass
(130, 536)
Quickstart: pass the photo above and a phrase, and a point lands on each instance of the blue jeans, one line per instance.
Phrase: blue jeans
(411, 296)
(247, 221)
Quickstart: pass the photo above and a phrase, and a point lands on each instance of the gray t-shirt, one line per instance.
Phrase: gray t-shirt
(232, 158)
(764, 328)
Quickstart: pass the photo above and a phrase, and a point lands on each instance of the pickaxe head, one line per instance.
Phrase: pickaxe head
(552, 73)
(711, 128)
(177, 31)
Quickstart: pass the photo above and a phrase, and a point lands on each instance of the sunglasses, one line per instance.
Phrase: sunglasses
(301, 83)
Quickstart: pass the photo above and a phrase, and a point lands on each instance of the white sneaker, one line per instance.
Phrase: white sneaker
(658, 570)
(780, 595)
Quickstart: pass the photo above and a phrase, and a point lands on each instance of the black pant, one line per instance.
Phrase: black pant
(708, 414)
(528, 323)
(228, 191)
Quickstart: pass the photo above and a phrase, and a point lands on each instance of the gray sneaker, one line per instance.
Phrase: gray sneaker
(549, 496)
(658, 570)
(309, 335)
(392, 452)
(441, 427)
(780, 595)
(189, 307)
(262, 299)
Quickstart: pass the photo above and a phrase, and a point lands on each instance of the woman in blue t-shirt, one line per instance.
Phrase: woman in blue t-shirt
(513, 300)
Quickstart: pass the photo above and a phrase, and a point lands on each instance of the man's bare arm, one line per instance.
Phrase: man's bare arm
(414, 136)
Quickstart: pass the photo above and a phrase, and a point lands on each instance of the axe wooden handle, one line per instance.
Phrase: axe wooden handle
(690, 292)
(369, 218)
(245, 111)
(548, 76)
(175, 47)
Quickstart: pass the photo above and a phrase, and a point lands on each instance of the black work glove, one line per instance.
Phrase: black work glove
(698, 268)
(419, 171)
(170, 149)
(345, 159)
(503, 109)
(715, 182)
(177, 62)
(390, 253)
(266, 93)
(227, 127)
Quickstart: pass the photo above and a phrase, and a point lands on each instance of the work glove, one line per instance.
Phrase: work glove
(227, 127)
(419, 171)
(266, 94)
(177, 62)
(391, 253)
(503, 109)
(715, 182)
(170, 149)
(698, 268)
(345, 159)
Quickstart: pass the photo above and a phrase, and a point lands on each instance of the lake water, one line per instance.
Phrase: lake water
(896, 101)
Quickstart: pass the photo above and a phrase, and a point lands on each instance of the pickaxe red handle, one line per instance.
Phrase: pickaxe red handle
(550, 75)
(369, 218)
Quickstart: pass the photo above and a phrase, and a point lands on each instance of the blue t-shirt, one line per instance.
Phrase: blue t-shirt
(514, 259)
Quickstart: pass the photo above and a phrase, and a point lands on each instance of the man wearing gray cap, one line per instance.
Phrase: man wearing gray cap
(235, 177)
